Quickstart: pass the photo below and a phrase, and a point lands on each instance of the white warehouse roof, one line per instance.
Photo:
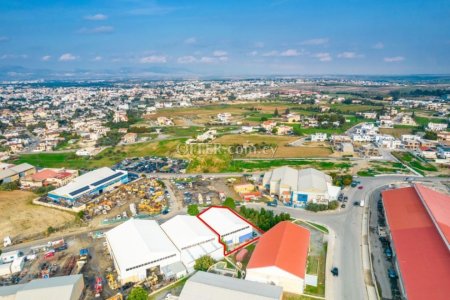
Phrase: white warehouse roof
(186, 231)
(87, 182)
(222, 220)
(137, 242)
(306, 180)
(209, 286)
(55, 288)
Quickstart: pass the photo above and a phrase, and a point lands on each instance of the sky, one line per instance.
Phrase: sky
(225, 38)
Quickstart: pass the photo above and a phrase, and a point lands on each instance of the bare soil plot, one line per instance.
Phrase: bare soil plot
(18, 217)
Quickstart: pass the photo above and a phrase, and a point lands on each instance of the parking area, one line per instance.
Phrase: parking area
(381, 251)
(196, 190)
(152, 164)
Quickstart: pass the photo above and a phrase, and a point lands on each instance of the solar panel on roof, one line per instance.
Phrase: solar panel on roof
(107, 179)
(76, 192)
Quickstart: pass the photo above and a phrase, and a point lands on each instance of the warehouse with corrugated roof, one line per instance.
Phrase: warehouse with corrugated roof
(280, 257)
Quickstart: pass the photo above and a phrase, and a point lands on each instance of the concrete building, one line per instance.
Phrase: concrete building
(437, 126)
(318, 137)
(208, 286)
(55, 288)
(418, 225)
(140, 248)
(297, 187)
(193, 239)
(16, 172)
(280, 257)
(230, 228)
(92, 183)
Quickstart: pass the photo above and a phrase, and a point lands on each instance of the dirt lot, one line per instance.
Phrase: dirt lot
(19, 216)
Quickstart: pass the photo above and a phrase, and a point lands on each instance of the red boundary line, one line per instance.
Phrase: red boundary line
(225, 253)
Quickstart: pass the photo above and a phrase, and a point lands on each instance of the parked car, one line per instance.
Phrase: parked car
(356, 203)
(392, 273)
(335, 271)
(343, 206)
(388, 252)
(360, 187)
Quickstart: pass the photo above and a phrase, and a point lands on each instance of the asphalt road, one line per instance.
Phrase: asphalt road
(347, 226)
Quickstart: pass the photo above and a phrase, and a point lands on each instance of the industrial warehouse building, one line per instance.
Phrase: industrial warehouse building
(280, 257)
(140, 248)
(207, 286)
(418, 223)
(55, 288)
(230, 227)
(193, 239)
(297, 187)
(91, 183)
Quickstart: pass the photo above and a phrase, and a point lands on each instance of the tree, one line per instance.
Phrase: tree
(275, 113)
(193, 210)
(430, 135)
(287, 111)
(50, 230)
(203, 263)
(138, 293)
(333, 205)
(263, 119)
(229, 202)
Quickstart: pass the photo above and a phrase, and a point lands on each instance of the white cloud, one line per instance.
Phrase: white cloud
(46, 57)
(350, 55)
(219, 53)
(190, 41)
(378, 45)
(315, 42)
(253, 53)
(67, 57)
(290, 52)
(394, 59)
(153, 59)
(99, 29)
(207, 60)
(4, 38)
(96, 17)
(189, 59)
(285, 53)
(223, 58)
(98, 58)
(323, 56)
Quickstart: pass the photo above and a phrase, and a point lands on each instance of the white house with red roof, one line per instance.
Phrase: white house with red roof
(280, 257)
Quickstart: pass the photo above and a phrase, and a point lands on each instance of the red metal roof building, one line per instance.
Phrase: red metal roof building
(418, 221)
(280, 257)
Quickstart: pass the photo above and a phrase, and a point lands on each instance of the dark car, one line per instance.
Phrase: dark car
(360, 187)
(343, 206)
(356, 203)
(335, 271)
(392, 273)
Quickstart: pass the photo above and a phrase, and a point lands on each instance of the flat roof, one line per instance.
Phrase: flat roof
(422, 255)
(136, 242)
(284, 246)
(222, 220)
(86, 182)
(209, 286)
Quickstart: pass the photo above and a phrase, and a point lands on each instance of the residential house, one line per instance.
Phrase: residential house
(129, 138)
(318, 137)
(437, 126)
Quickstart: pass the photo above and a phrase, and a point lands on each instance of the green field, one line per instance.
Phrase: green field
(420, 165)
(253, 165)
(383, 167)
(317, 266)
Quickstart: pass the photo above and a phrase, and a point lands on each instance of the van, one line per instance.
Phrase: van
(361, 203)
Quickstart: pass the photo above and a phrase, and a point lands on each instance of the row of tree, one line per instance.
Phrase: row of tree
(264, 219)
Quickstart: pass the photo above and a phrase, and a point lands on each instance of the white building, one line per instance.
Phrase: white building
(193, 239)
(437, 126)
(230, 227)
(224, 117)
(297, 187)
(280, 257)
(318, 137)
(139, 248)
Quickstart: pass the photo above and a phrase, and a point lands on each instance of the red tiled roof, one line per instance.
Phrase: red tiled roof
(62, 175)
(44, 174)
(284, 246)
(423, 257)
(439, 206)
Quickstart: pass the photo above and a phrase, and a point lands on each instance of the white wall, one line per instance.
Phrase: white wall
(274, 275)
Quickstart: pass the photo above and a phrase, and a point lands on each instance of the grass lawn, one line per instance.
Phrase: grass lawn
(317, 265)
(289, 296)
(383, 167)
(54, 160)
(397, 131)
(319, 227)
(174, 289)
(252, 165)
(424, 121)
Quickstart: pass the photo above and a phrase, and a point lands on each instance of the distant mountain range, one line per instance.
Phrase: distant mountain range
(20, 73)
